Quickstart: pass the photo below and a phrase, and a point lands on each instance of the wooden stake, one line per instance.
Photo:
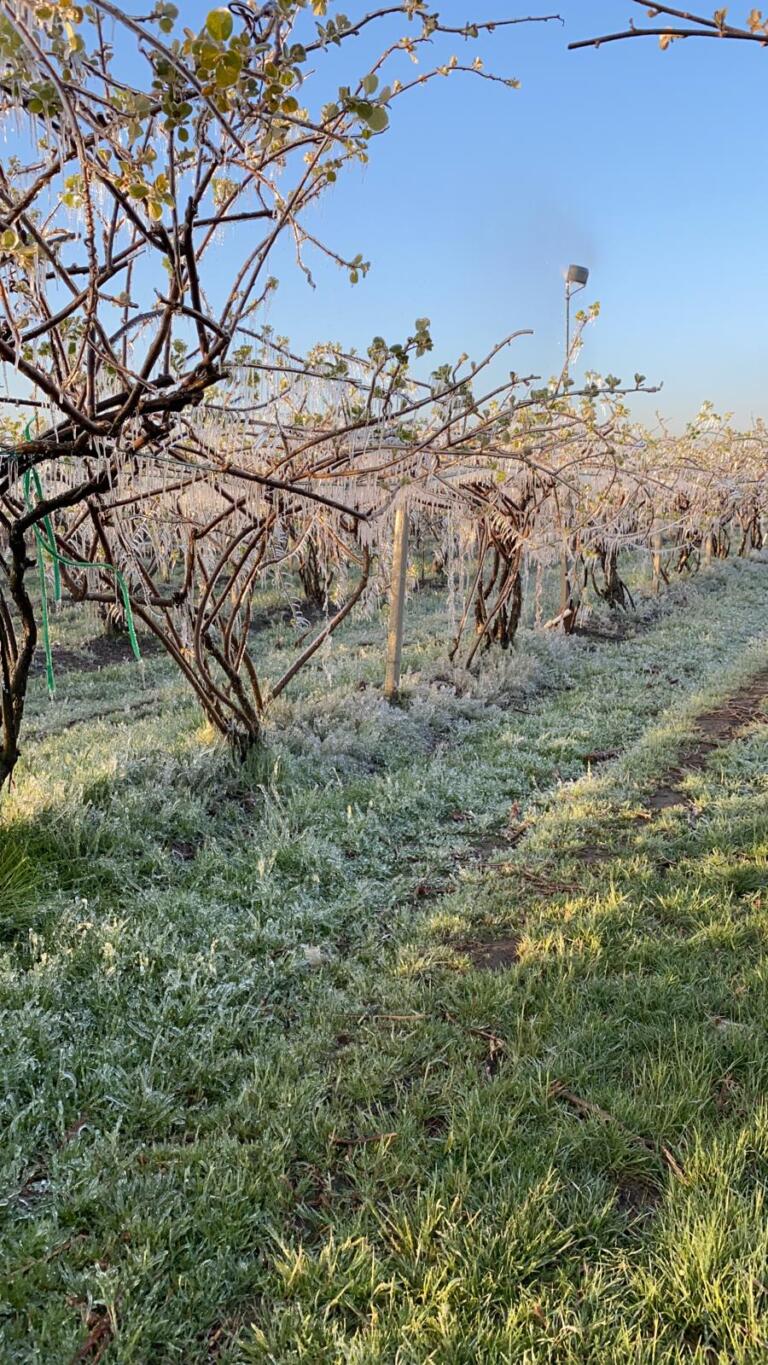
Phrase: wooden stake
(565, 588)
(709, 545)
(397, 605)
(656, 545)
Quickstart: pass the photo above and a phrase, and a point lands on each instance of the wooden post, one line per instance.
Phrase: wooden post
(709, 545)
(656, 547)
(571, 566)
(566, 592)
(397, 604)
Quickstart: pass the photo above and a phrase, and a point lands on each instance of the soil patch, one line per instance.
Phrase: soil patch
(103, 651)
(665, 797)
(184, 850)
(620, 629)
(437, 1125)
(487, 845)
(497, 955)
(599, 756)
(592, 854)
(636, 1198)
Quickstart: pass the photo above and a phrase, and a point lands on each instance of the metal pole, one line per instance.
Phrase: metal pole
(567, 328)
(397, 604)
(576, 278)
(565, 583)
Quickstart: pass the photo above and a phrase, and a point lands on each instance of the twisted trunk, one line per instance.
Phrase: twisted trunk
(18, 638)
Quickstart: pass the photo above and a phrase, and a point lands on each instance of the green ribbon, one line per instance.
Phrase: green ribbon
(46, 545)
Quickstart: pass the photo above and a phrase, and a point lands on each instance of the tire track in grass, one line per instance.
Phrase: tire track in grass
(715, 728)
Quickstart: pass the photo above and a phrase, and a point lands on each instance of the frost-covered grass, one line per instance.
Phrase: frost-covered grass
(193, 991)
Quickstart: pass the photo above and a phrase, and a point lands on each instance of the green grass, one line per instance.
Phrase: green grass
(17, 888)
(192, 998)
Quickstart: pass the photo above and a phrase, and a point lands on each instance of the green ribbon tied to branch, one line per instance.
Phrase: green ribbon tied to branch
(45, 542)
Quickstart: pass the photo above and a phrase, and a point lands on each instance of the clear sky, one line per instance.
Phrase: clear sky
(648, 167)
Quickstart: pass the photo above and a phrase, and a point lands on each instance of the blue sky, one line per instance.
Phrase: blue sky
(648, 167)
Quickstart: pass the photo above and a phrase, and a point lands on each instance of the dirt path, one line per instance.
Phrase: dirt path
(715, 729)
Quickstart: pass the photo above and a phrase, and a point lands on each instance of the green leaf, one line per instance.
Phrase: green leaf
(378, 120)
(228, 70)
(219, 25)
(370, 83)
